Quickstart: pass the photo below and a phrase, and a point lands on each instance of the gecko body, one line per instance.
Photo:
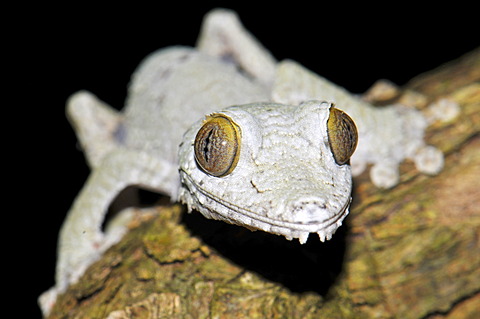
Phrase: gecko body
(237, 136)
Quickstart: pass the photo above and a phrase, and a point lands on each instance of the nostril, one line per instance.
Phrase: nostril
(309, 210)
(302, 204)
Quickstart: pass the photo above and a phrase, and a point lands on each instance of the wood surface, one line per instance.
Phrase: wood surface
(409, 252)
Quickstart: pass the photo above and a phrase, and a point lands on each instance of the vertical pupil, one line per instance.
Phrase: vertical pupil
(216, 146)
(342, 135)
(349, 132)
(207, 144)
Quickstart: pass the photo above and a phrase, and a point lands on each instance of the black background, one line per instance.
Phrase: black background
(55, 51)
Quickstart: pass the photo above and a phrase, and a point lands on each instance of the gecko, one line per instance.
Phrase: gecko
(236, 135)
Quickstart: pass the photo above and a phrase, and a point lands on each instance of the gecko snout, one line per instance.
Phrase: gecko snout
(307, 210)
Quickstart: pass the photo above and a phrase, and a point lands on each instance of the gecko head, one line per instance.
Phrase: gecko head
(279, 168)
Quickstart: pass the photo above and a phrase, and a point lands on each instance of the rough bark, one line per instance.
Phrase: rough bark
(409, 252)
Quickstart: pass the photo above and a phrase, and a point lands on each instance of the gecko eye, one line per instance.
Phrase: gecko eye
(217, 145)
(342, 135)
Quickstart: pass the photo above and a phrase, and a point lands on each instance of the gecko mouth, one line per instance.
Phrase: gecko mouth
(324, 224)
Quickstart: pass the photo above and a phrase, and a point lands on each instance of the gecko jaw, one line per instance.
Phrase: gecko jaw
(221, 209)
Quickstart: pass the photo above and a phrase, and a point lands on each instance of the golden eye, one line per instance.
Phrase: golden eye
(342, 135)
(217, 145)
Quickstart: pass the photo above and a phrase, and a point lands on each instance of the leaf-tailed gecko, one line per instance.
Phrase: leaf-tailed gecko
(237, 136)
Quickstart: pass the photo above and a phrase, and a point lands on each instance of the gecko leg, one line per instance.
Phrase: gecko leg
(96, 125)
(223, 35)
(387, 135)
(81, 240)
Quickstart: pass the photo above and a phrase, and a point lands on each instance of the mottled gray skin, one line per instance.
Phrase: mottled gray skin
(286, 181)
